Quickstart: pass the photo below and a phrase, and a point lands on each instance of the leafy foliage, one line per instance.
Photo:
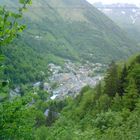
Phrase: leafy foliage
(9, 28)
(95, 114)
(17, 120)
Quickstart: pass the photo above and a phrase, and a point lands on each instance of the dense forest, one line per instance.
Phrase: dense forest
(109, 111)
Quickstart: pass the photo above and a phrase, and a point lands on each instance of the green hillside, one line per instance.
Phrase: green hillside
(65, 29)
(75, 29)
(108, 112)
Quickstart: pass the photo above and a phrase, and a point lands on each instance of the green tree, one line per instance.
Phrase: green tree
(9, 28)
(17, 120)
(131, 95)
(122, 81)
(16, 117)
(98, 90)
(111, 80)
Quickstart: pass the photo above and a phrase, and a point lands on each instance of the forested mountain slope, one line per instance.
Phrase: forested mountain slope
(111, 111)
(75, 29)
(108, 112)
(65, 29)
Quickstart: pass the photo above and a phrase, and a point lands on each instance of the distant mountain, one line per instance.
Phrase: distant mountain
(68, 29)
(126, 16)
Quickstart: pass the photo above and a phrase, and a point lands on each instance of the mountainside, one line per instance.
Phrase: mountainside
(109, 112)
(75, 29)
(126, 16)
(69, 29)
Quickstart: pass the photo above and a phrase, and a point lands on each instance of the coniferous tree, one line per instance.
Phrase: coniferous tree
(111, 80)
(122, 81)
(131, 95)
(98, 90)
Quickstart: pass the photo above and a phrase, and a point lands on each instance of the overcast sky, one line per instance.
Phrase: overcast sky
(115, 1)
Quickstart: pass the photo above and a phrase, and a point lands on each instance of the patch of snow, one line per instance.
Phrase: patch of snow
(123, 12)
(134, 10)
(107, 10)
(133, 19)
